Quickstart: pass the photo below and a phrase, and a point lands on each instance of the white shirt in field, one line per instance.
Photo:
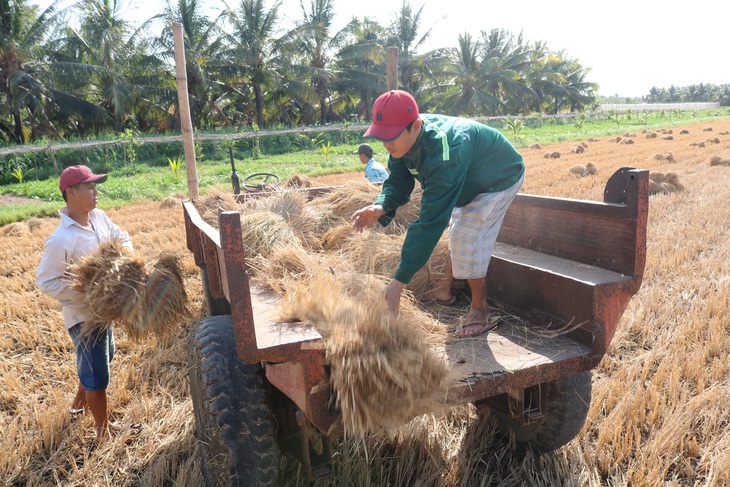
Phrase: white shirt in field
(65, 246)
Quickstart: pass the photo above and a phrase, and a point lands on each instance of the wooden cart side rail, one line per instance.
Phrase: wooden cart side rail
(235, 270)
(204, 243)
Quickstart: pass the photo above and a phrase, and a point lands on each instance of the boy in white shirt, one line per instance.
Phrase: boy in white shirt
(82, 230)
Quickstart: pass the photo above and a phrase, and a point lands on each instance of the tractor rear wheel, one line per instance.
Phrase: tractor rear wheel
(234, 423)
(563, 404)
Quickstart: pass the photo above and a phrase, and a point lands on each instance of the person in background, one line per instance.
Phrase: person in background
(374, 171)
(82, 230)
(469, 173)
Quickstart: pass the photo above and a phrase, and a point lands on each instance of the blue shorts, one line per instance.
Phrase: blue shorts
(93, 354)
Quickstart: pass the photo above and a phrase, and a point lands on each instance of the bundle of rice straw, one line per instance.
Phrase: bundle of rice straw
(263, 231)
(162, 306)
(211, 203)
(298, 181)
(376, 253)
(120, 286)
(383, 371)
(345, 200)
(664, 183)
(291, 205)
(285, 263)
(338, 237)
(110, 279)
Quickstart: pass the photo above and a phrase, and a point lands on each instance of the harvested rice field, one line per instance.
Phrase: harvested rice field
(659, 413)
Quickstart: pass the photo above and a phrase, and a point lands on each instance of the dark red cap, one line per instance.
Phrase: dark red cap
(74, 175)
(392, 112)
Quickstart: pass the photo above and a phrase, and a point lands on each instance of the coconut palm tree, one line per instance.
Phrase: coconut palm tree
(316, 46)
(360, 65)
(250, 63)
(106, 61)
(462, 94)
(204, 40)
(23, 32)
(486, 74)
(405, 34)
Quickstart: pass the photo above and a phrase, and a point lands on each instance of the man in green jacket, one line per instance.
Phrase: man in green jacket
(469, 172)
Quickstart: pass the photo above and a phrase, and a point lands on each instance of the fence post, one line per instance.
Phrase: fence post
(392, 69)
(186, 124)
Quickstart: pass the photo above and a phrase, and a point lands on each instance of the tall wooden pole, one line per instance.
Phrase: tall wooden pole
(392, 69)
(186, 123)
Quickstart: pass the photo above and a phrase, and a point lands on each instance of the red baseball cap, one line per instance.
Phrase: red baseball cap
(392, 112)
(74, 175)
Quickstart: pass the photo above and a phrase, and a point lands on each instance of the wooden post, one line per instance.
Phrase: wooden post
(392, 70)
(186, 123)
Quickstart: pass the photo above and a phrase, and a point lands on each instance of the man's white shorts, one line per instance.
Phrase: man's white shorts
(473, 231)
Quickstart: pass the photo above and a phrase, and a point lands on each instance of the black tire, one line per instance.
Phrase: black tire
(216, 306)
(234, 424)
(564, 405)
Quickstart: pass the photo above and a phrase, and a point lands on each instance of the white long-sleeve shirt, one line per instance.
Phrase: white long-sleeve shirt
(65, 246)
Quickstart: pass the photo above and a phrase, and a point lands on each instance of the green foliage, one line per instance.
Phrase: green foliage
(312, 143)
(514, 124)
(615, 117)
(199, 154)
(175, 165)
(326, 150)
(130, 146)
(147, 181)
(18, 174)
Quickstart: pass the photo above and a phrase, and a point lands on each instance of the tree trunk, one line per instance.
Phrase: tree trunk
(259, 106)
(18, 127)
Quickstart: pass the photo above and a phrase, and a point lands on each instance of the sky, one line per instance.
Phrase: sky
(629, 47)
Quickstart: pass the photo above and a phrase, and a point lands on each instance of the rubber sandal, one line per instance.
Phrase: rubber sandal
(131, 428)
(74, 411)
(486, 326)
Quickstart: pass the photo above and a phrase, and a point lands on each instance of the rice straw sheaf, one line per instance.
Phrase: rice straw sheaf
(382, 370)
(110, 280)
(163, 303)
(337, 237)
(284, 202)
(15, 229)
(345, 200)
(298, 181)
(291, 205)
(380, 254)
(660, 183)
(262, 231)
(120, 286)
(210, 204)
(285, 262)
